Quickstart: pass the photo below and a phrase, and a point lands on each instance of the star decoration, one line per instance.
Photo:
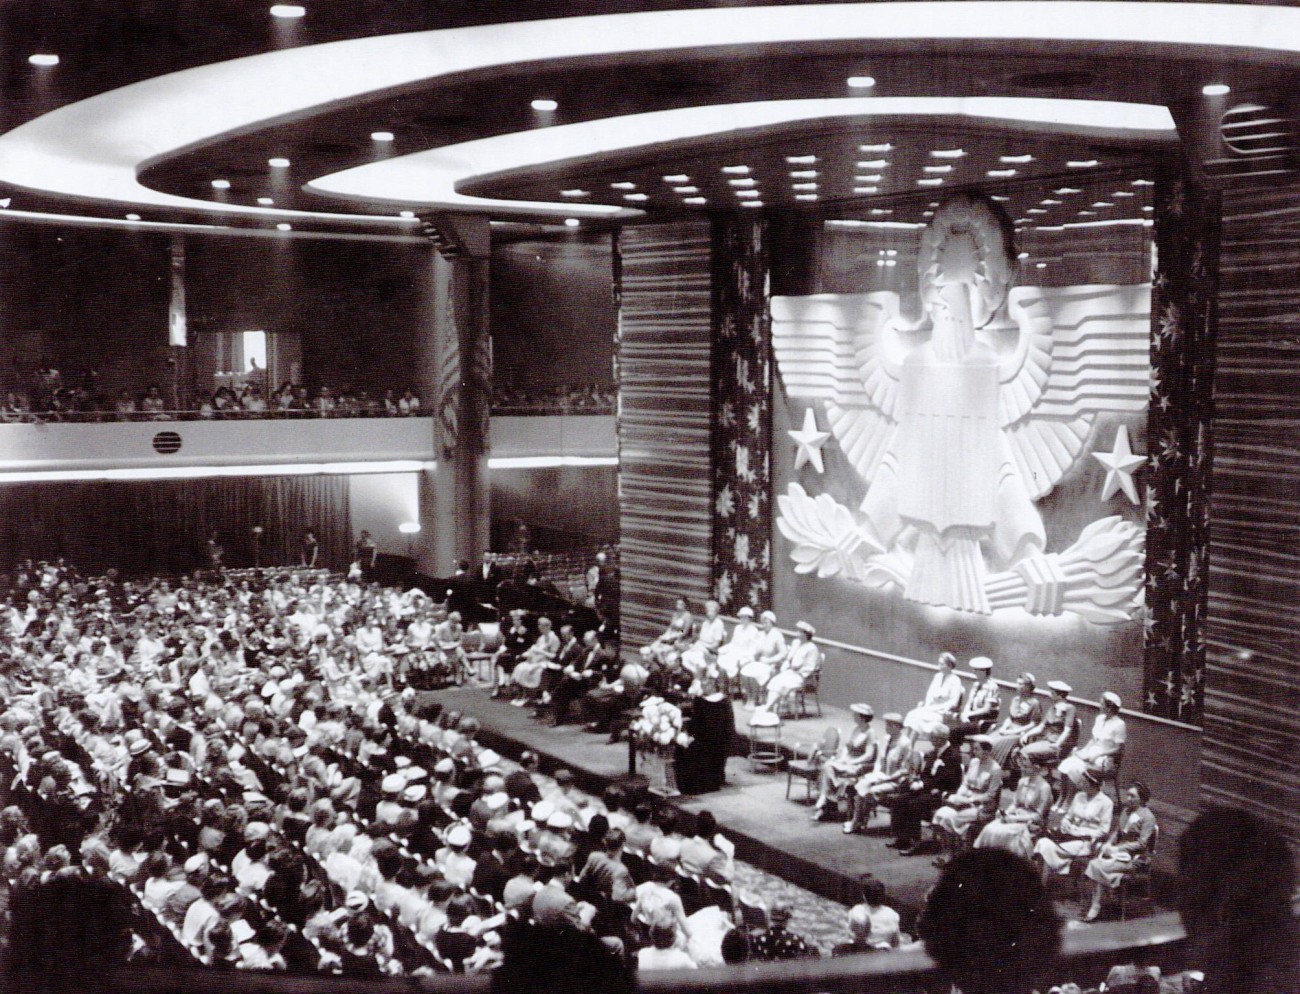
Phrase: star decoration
(810, 442)
(1120, 463)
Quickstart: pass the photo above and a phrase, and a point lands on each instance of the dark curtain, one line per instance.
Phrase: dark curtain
(161, 526)
(1180, 424)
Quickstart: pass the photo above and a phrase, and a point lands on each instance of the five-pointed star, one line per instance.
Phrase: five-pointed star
(810, 442)
(1120, 463)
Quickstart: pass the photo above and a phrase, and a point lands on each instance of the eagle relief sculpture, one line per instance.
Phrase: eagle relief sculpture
(959, 421)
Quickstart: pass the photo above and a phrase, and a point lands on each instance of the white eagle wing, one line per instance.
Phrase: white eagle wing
(842, 349)
(1081, 350)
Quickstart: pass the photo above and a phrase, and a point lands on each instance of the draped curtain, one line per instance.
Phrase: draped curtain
(161, 526)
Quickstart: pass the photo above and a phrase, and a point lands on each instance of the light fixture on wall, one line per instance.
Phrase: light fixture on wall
(410, 529)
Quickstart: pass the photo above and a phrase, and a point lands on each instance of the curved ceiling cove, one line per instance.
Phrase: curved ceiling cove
(95, 152)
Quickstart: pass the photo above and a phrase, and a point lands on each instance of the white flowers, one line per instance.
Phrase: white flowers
(660, 724)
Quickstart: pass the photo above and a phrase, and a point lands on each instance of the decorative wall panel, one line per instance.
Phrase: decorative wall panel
(1251, 753)
(664, 379)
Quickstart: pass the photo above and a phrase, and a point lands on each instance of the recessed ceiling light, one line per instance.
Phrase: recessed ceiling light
(278, 162)
(880, 263)
(1000, 173)
(873, 178)
(571, 222)
(622, 185)
(43, 59)
(677, 178)
(1083, 163)
(937, 169)
(866, 189)
(1023, 255)
(1015, 160)
(999, 198)
(736, 170)
(1216, 89)
(881, 212)
(409, 215)
(891, 252)
(133, 217)
(638, 197)
(1123, 193)
(930, 182)
(1143, 182)
(1065, 191)
(933, 203)
(927, 213)
(1087, 213)
(1040, 265)
(871, 164)
(686, 189)
(948, 153)
(1148, 209)
(576, 192)
(801, 160)
(1103, 203)
(803, 174)
(747, 193)
(381, 136)
(803, 186)
(1036, 210)
(544, 105)
(886, 147)
(288, 11)
(861, 82)
(1050, 202)
(694, 200)
(221, 184)
(890, 263)
(742, 182)
(284, 227)
(266, 201)
(805, 196)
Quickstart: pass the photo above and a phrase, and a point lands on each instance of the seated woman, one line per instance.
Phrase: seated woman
(942, 700)
(527, 675)
(1045, 741)
(1127, 849)
(742, 645)
(1024, 711)
(899, 762)
(769, 652)
(1103, 750)
(1018, 826)
(449, 637)
(702, 654)
(975, 800)
(675, 638)
(1084, 825)
(514, 645)
(857, 755)
(800, 662)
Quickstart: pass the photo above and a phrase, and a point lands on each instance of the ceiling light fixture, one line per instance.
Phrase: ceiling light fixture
(881, 212)
(575, 193)
(936, 169)
(803, 186)
(278, 162)
(1083, 163)
(677, 178)
(866, 189)
(1143, 182)
(1036, 210)
(930, 182)
(1216, 89)
(1040, 265)
(637, 197)
(1023, 255)
(571, 222)
(742, 182)
(736, 170)
(871, 164)
(44, 60)
(1123, 193)
(694, 200)
(948, 153)
(1087, 213)
(1050, 202)
(282, 226)
(751, 203)
(803, 174)
(747, 193)
(288, 11)
(1103, 203)
(408, 215)
(686, 189)
(1015, 160)
(381, 136)
(133, 217)
(886, 147)
(999, 198)
(861, 82)
(1065, 191)
(544, 106)
(266, 201)
(801, 160)
(805, 196)
(221, 184)
(873, 178)
(1000, 173)
(622, 185)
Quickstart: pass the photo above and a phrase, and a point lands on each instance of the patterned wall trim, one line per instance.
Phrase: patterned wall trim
(742, 416)
(1251, 745)
(1180, 423)
(664, 377)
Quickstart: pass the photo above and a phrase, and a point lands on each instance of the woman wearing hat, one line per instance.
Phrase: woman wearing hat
(742, 645)
(1083, 826)
(1103, 751)
(1024, 711)
(1127, 849)
(898, 762)
(1045, 741)
(857, 755)
(983, 702)
(800, 662)
(1017, 827)
(942, 700)
(974, 801)
(769, 653)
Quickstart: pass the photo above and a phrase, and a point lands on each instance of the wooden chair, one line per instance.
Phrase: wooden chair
(808, 767)
(765, 741)
(1139, 880)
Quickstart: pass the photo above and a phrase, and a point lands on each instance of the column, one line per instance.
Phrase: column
(456, 375)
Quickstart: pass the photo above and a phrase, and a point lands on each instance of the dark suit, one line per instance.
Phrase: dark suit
(940, 777)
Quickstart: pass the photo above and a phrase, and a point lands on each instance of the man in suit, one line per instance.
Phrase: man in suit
(567, 661)
(923, 795)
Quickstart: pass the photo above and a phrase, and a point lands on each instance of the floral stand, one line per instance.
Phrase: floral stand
(659, 767)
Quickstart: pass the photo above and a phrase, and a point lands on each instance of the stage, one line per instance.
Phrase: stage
(770, 832)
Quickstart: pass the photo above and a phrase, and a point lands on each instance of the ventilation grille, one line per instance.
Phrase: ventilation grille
(1258, 140)
(167, 443)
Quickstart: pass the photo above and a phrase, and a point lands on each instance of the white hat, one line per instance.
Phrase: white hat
(806, 628)
(1060, 686)
(394, 783)
(981, 663)
(893, 717)
(401, 762)
(445, 765)
(356, 901)
(497, 801)
(767, 616)
(196, 862)
(414, 794)
(559, 820)
(541, 811)
(1110, 697)
(862, 709)
(412, 773)
(487, 758)
(457, 836)
(745, 612)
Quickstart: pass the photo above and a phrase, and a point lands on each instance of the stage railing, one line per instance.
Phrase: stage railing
(1086, 956)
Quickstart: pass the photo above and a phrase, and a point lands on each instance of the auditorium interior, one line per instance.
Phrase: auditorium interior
(918, 328)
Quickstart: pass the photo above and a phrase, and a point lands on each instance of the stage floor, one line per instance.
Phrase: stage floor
(770, 832)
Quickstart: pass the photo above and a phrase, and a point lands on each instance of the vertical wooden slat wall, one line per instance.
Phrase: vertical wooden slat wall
(664, 462)
(1251, 746)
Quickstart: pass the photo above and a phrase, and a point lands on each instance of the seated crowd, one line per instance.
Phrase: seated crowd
(593, 398)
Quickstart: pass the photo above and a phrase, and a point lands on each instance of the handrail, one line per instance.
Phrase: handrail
(1086, 955)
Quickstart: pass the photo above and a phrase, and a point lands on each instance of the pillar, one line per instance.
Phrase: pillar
(456, 377)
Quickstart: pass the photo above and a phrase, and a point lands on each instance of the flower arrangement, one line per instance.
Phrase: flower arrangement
(659, 726)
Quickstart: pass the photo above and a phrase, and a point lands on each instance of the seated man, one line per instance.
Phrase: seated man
(527, 675)
(567, 661)
(619, 689)
(1102, 752)
(801, 661)
(1084, 825)
(580, 672)
(924, 794)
